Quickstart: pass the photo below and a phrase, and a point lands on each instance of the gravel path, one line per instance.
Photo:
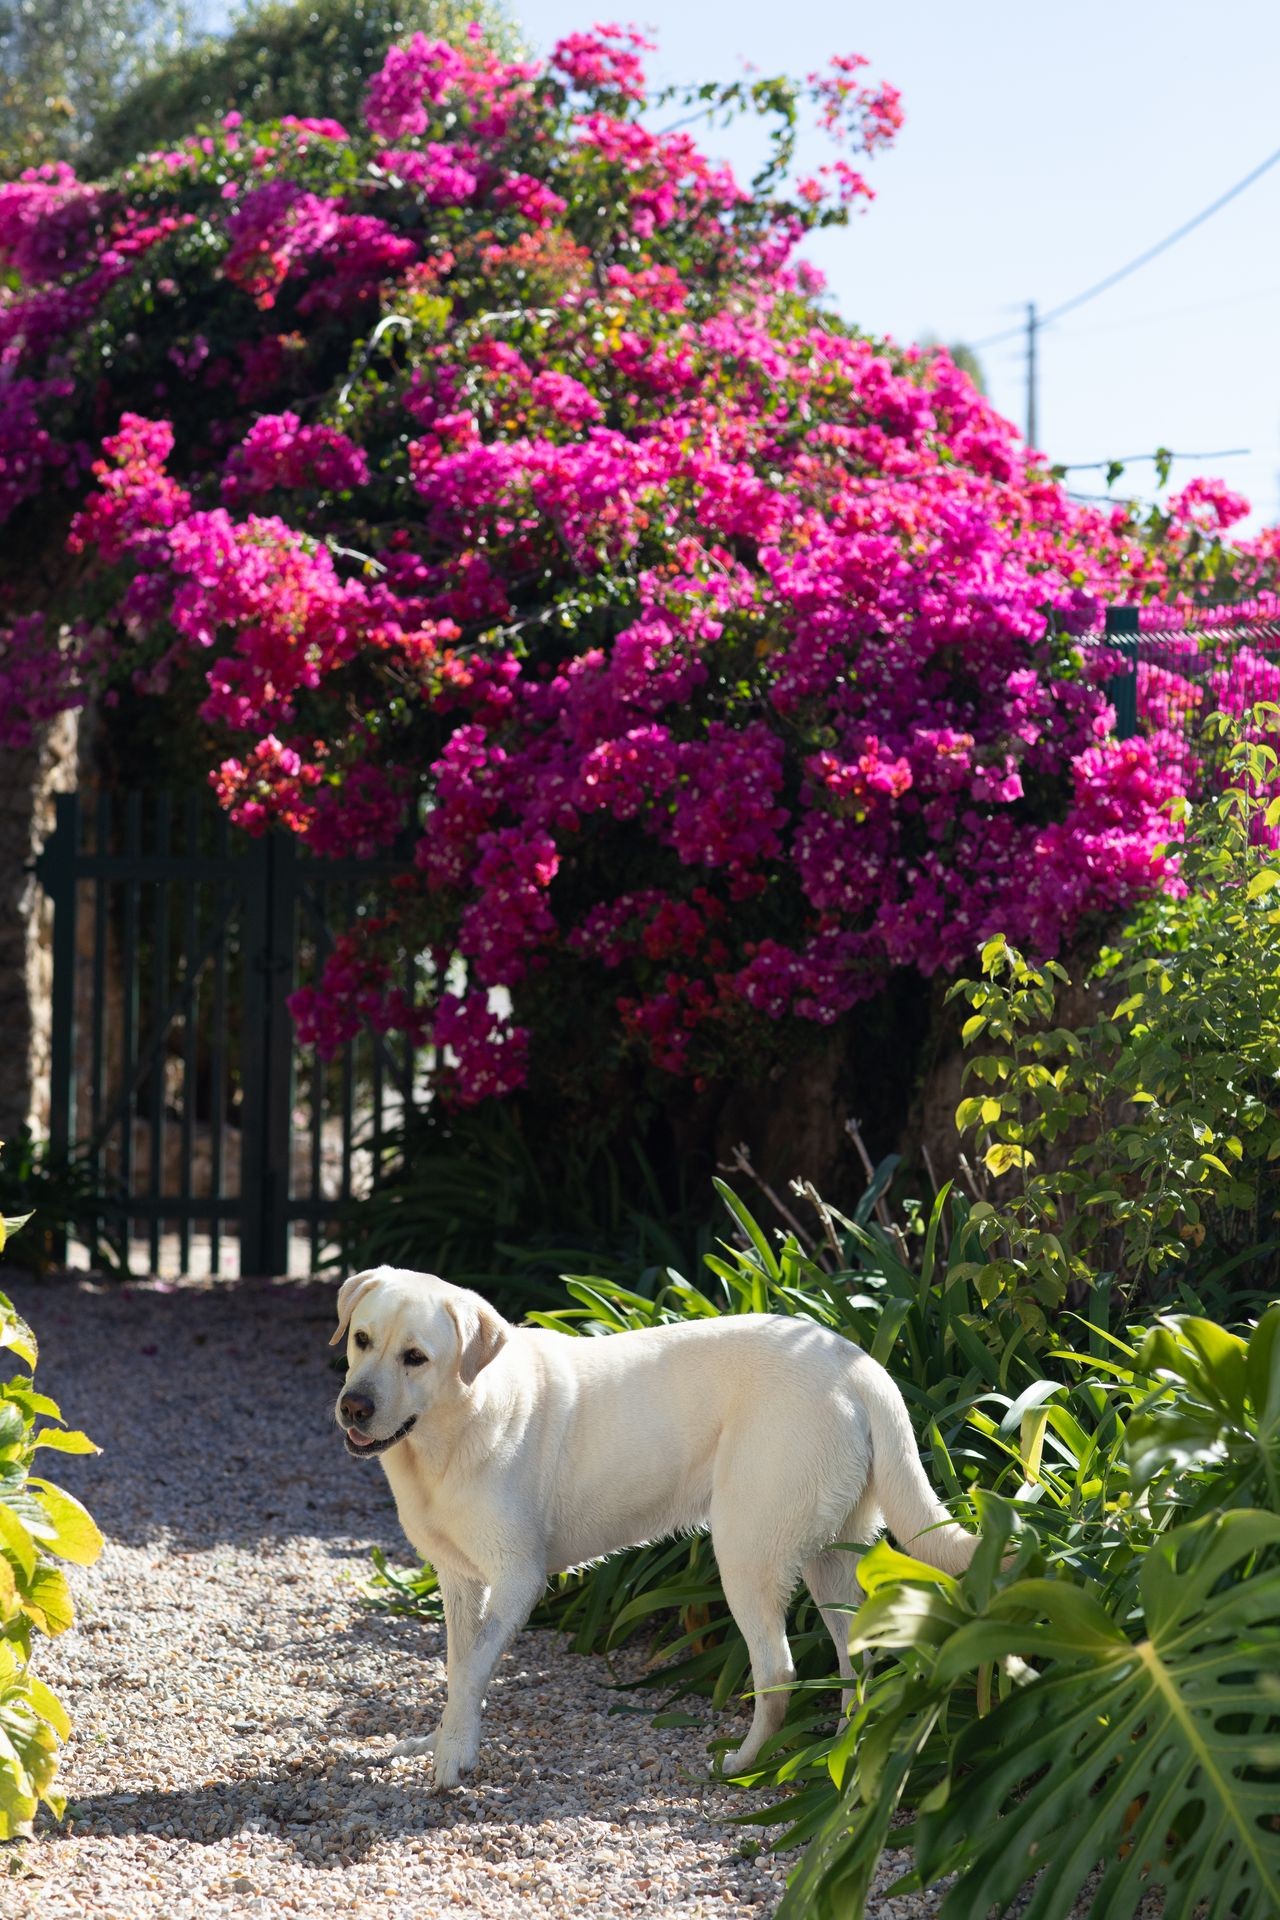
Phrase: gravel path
(228, 1688)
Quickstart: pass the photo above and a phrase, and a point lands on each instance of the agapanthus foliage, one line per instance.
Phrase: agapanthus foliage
(497, 466)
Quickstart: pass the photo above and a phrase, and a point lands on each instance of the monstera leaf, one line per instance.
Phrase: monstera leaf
(1224, 1413)
(1153, 1757)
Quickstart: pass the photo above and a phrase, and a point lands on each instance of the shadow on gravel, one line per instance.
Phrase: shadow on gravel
(305, 1808)
(213, 1407)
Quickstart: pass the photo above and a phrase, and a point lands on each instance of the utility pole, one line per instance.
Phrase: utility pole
(1032, 329)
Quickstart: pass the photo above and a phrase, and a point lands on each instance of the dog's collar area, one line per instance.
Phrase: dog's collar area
(365, 1449)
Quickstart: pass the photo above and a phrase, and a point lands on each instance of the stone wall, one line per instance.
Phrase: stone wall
(29, 779)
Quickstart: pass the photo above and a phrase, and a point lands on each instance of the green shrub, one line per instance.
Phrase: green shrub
(313, 58)
(64, 1191)
(40, 1525)
(1141, 1147)
(1107, 1701)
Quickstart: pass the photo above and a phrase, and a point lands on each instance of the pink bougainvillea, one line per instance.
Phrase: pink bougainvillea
(494, 468)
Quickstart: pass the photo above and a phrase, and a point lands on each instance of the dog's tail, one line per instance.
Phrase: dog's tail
(900, 1487)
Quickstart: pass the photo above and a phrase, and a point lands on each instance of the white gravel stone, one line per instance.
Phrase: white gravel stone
(229, 1691)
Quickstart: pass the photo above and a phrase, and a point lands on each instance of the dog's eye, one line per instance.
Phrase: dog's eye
(414, 1357)
(362, 1341)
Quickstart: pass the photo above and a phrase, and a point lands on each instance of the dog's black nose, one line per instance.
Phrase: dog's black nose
(356, 1408)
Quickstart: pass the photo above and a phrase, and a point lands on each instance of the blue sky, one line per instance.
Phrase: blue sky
(1043, 147)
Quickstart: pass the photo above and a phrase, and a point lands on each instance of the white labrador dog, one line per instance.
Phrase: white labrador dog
(515, 1453)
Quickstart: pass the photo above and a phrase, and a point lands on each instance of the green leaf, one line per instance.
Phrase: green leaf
(1177, 1726)
(15, 1539)
(750, 1227)
(75, 1535)
(658, 1599)
(15, 1333)
(48, 1601)
(1004, 1156)
(49, 1707)
(884, 1566)
(9, 1225)
(65, 1440)
(1262, 1369)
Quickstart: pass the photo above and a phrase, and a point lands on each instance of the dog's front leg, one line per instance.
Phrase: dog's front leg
(511, 1599)
(463, 1605)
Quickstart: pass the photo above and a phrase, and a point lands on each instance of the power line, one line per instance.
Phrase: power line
(1128, 459)
(1140, 260)
(1173, 313)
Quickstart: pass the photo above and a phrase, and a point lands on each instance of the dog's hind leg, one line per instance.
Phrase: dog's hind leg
(757, 1592)
(832, 1578)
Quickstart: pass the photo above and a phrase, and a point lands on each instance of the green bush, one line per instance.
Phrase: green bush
(64, 1191)
(312, 58)
(1107, 1701)
(1141, 1147)
(64, 64)
(40, 1525)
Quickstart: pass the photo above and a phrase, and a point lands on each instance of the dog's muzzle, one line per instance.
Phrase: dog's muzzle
(361, 1449)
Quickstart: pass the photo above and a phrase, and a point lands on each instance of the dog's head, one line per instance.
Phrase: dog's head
(414, 1343)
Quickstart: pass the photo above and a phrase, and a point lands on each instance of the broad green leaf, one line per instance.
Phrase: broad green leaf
(48, 1601)
(1262, 1368)
(75, 1535)
(15, 1539)
(885, 1565)
(24, 1395)
(1004, 1156)
(1028, 1401)
(49, 1707)
(17, 1803)
(836, 1874)
(1177, 1725)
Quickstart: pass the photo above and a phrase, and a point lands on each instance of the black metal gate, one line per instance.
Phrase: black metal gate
(210, 1142)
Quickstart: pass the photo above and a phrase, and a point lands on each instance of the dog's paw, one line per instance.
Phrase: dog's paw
(740, 1760)
(413, 1745)
(454, 1757)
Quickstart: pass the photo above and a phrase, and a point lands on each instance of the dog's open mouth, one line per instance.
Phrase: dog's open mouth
(361, 1449)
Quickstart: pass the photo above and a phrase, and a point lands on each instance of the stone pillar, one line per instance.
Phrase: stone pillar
(29, 779)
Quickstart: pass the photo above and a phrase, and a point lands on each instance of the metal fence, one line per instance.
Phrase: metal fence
(1173, 668)
(213, 1143)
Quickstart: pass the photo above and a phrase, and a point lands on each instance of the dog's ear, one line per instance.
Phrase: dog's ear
(349, 1293)
(482, 1334)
